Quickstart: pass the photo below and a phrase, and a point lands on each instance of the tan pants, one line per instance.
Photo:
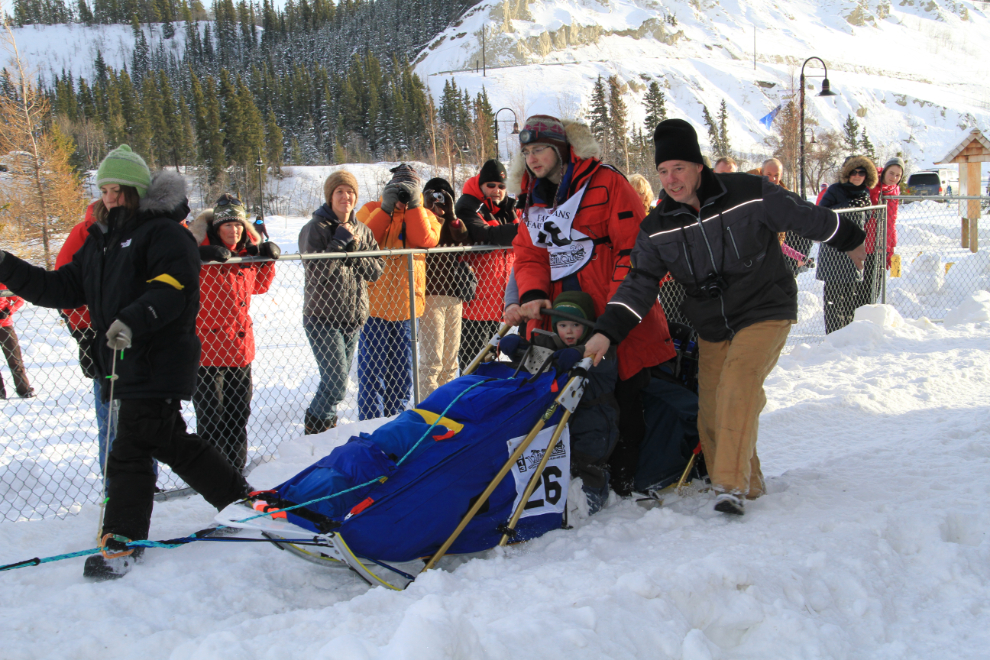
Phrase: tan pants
(439, 340)
(730, 398)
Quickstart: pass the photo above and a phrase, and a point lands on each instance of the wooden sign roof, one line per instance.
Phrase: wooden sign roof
(975, 148)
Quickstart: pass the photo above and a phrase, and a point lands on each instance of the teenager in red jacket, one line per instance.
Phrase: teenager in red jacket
(491, 218)
(579, 226)
(12, 347)
(223, 391)
(888, 186)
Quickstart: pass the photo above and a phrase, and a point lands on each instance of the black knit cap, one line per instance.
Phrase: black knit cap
(437, 184)
(675, 139)
(492, 170)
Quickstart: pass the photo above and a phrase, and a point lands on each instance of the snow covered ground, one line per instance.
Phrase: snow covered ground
(871, 543)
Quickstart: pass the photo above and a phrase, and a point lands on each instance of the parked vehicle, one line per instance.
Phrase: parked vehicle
(928, 182)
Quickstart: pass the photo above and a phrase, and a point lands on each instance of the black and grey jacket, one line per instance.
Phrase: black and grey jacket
(337, 289)
(731, 241)
(143, 269)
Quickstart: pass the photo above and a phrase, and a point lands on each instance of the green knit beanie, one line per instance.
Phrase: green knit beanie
(576, 303)
(124, 167)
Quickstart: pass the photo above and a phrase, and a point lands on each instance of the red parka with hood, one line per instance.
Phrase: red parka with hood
(491, 268)
(871, 224)
(224, 323)
(610, 212)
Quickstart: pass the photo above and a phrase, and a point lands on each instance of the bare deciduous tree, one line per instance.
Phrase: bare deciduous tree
(45, 196)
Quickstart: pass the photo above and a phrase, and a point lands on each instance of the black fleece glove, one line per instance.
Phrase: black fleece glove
(343, 240)
(214, 253)
(269, 250)
(4, 314)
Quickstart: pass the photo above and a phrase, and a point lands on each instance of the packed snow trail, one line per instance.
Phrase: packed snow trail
(871, 543)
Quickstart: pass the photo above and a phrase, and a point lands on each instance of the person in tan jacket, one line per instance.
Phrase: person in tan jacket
(385, 366)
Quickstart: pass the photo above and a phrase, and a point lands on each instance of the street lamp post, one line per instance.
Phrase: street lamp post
(261, 188)
(826, 91)
(515, 128)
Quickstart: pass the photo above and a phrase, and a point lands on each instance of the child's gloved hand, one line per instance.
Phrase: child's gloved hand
(566, 358)
(509, 345)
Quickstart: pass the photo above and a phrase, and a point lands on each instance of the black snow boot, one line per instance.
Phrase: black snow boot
(120, 563)
(316, 425)
(729, 503)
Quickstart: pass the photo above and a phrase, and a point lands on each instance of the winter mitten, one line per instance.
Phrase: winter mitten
(270, 250)
(214, 253)
(510, 345)
(119, 336)
(509, 205)
(390, 195)
(4, 314)
(566, 359)
(342, 238)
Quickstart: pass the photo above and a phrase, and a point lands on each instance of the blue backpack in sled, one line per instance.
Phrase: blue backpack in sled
(398, 493)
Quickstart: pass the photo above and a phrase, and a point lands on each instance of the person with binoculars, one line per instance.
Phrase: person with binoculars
(716, 234)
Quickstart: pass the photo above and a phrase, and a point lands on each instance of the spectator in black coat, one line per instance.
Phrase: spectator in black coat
(846, 289)
(138, 272)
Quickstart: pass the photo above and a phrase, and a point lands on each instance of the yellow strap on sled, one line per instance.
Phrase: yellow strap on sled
(167, 279)
(432, 417)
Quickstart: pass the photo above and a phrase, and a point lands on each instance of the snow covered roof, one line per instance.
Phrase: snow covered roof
(974, 148)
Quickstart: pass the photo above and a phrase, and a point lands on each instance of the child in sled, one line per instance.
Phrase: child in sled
(594, 426)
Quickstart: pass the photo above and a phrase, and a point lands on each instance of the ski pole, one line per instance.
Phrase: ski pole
(106, 448)
(492, 343)
(537, 475)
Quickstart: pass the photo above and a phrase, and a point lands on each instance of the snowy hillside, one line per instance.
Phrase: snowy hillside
(871, 543)
(913, 72)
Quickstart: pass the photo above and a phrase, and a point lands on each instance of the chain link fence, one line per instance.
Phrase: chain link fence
(315, 364)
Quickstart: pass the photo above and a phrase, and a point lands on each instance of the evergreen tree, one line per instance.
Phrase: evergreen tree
(656, 108)
(850, 135)
(724, 148)
(712, 129)
(867, 147)
(151, 105)
(209, 133)
(85, 15)
(599, 116)
(617, 128)
(274, 147)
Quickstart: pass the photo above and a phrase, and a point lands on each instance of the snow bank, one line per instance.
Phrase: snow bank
(872, 542)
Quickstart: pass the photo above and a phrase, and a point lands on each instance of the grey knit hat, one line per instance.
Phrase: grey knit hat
(895, 161)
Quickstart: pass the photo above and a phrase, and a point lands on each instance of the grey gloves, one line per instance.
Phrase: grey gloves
(406, 192)
(119, 336)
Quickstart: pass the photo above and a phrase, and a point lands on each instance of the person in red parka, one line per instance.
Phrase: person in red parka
(580, 223)
(12, 347)
(491, 218)
(223, 392)
(887, 186)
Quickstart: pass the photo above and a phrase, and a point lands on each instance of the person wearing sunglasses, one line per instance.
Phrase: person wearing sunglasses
(846, 287)
(491, 218)
(580, 222)
(716, 234)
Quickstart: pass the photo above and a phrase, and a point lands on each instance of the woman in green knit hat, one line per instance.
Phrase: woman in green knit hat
(138, 272)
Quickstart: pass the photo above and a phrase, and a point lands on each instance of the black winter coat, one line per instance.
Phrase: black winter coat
(833, 265)
(143, 270)
(734, 236)
(485, 227)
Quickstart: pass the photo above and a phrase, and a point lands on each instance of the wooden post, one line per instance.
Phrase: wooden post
(973, 212)
(963, 211)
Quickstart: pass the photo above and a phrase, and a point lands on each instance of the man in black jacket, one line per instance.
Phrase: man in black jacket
(716, 234)
(138, 272)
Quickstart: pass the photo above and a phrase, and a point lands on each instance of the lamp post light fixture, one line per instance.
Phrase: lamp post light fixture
(826, 91)
(261, 188)
(515, 129)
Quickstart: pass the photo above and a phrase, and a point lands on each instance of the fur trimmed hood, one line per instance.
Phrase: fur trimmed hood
(206, 234)
(860, 161)
(583, 146)
(165, 193)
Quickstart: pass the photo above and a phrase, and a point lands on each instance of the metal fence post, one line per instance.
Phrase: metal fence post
(414, 338)
(883, 258)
